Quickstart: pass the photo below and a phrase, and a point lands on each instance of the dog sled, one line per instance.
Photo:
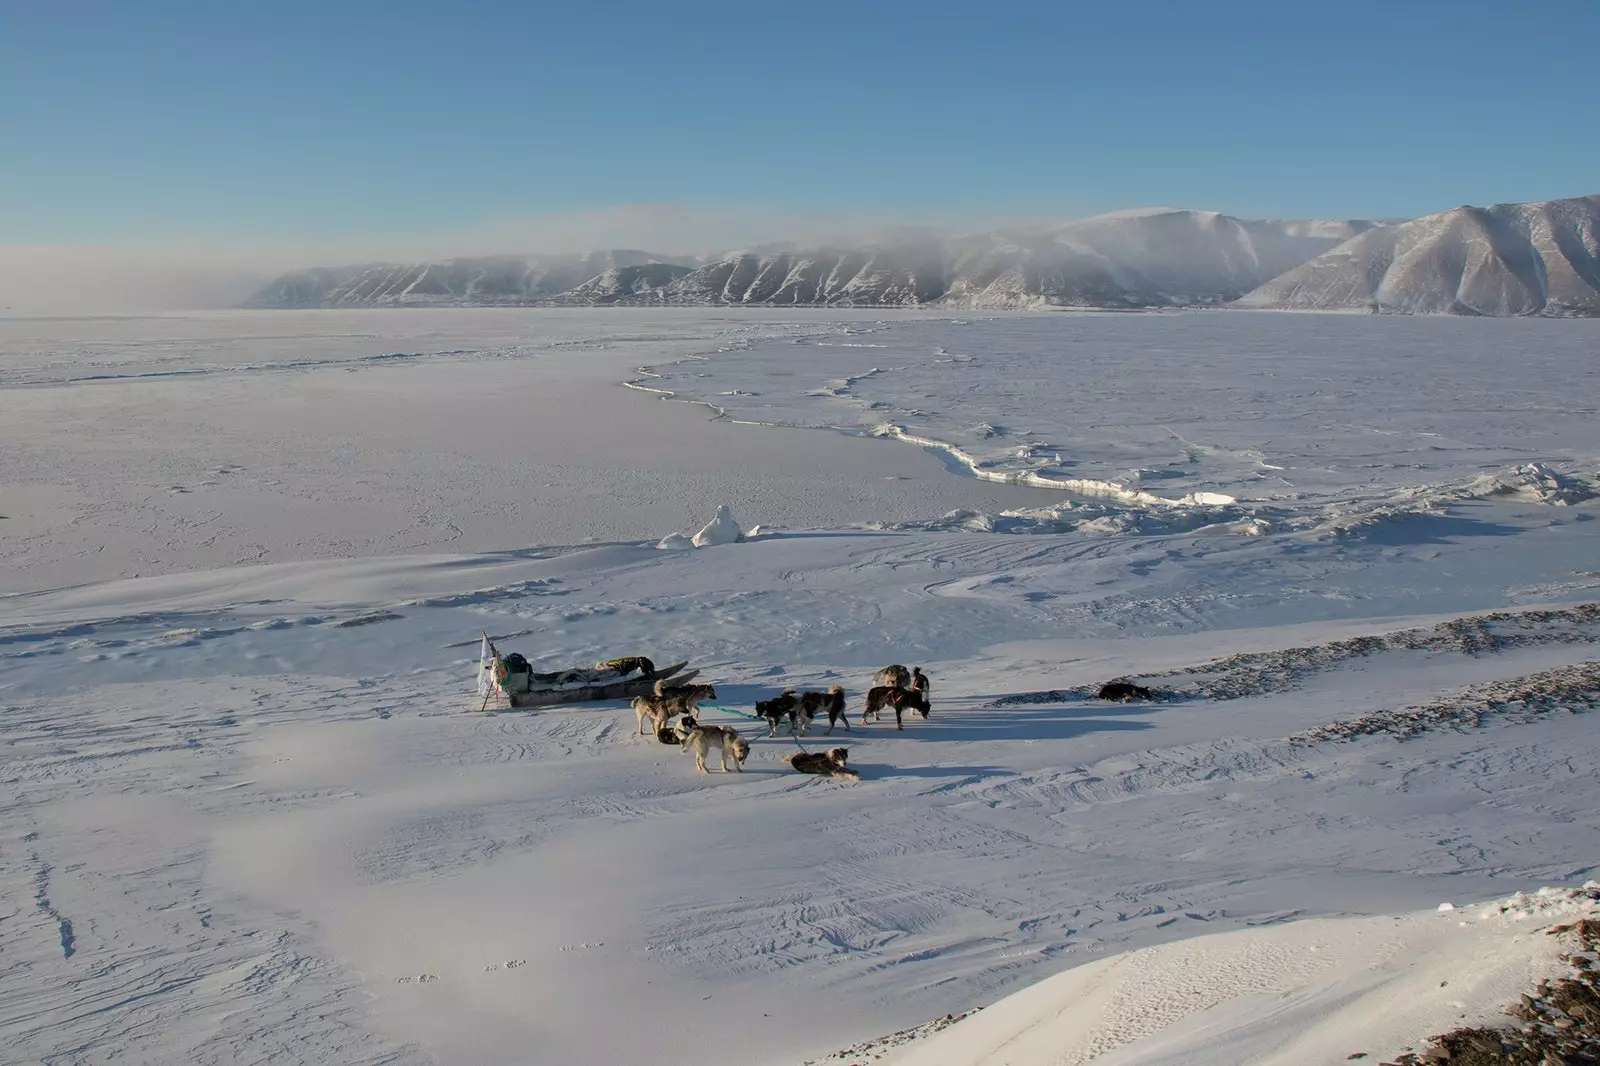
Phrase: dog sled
(543, 694)
(510, 681)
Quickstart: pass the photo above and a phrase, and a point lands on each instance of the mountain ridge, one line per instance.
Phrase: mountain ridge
(1145, 258)
(1540, 258)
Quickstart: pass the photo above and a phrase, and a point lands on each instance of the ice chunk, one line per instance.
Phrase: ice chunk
(720, 530)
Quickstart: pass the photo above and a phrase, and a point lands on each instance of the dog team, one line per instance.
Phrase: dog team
(671, 711)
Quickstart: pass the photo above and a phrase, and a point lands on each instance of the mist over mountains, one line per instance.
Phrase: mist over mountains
(1512, 259)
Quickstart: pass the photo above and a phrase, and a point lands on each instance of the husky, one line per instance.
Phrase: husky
(815, 704)
(1124, 691)
(829, 764)
(661, 709)
(665, 689)
(700, 738)
(674, 733)
(919, 682)
(895, 676)
(779, 707)
(898, 698)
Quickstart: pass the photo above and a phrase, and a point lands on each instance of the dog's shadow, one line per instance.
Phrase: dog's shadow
(876, 771)
(1018, 724)
(1088, 706)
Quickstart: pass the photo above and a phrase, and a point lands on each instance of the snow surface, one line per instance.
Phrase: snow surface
(1311, 992)
(1158, 419)
(149, 445)
(253, 815)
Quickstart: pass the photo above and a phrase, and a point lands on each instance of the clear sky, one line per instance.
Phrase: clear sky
(123, 122)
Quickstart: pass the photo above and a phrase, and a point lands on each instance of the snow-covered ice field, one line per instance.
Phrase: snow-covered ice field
(249, 815)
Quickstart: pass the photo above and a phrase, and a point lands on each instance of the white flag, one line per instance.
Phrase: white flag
(486, 667)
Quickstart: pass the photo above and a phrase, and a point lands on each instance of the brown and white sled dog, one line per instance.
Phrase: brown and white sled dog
(664, 687)
(895, 676)
(702, 737)
(817, 704)
(828, 764)
(661, 709)
(898, 698)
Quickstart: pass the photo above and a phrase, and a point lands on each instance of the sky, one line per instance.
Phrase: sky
(311, 128)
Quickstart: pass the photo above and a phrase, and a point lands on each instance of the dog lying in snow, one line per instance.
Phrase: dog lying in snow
(674, 733)
(778, 708)
(1124, 691)
(660, 709)
(895, 676)
(817, 704)
(700, 738)
(828, 764)
(898, 698)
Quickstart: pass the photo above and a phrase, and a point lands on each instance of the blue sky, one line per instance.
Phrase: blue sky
(128, 122)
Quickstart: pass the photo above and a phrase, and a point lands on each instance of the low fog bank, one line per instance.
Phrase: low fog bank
(204, 274)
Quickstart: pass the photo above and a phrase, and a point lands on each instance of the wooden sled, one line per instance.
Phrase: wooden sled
(616, 690)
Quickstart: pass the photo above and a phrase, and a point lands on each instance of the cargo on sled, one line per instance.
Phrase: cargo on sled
(510, 680)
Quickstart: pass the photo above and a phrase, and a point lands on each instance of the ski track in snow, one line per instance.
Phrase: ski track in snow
(251, 817)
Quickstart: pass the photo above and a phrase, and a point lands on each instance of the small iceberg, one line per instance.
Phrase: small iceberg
(720, 530)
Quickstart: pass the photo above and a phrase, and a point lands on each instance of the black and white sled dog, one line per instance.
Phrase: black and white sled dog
(828, 764)
(700, 739)
(897, 698)
(775, 710)
(817, 704)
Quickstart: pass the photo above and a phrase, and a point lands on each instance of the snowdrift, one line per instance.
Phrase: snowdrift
(1309, 992)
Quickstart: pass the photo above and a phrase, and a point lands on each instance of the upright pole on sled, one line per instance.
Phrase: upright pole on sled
(490, 691)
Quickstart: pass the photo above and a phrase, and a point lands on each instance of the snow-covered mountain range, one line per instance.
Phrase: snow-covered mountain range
(1150, 258)
(476, 282)
(1538, 258)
